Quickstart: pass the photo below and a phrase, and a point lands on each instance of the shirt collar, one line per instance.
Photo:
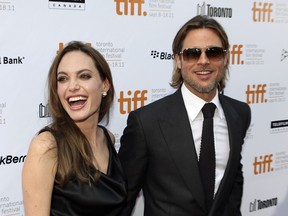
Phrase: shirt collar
(194, 104)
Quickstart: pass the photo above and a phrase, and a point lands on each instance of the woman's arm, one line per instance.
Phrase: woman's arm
(38, 175)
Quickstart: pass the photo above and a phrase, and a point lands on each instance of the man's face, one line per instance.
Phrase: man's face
(201, 75)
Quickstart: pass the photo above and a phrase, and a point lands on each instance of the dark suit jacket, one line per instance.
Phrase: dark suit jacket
(158, 155)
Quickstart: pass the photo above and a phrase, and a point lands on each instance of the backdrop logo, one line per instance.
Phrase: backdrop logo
(269, 163)
(212, 11)
(254, 54)
(250, 54)
(128, 7)
(44, 111)
(9, 206)
(2, 118)
(256, 93)
(249, 133)
(7, 6)
(154, 9)
(284, 54)
(262, 164)
(61, 47)
(112, 54)
(162, 55)
(67, 4)
(279, 126)
(281, 161)
(277, 93)
(261, 12)
(266, 93)
(158, 93)
(262, 204)
(132, 100)
(266, 12)
(236, 53)
(9, 159)
(5, 60)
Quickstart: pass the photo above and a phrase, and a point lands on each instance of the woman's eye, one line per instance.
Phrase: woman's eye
(61, 78)
(85, 76)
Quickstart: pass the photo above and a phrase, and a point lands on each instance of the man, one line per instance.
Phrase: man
(160, 147)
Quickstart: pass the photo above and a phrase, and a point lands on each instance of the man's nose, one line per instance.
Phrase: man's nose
(203, 59)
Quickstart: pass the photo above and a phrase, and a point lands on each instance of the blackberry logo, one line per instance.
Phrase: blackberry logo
(155, 54)
(162, 55)
(284, 54)
(9, 159)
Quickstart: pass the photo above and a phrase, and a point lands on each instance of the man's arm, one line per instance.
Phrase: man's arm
(133, 156)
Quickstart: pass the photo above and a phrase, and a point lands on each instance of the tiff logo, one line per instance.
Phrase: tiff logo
(262, 164)
(128, 103)
(262, 12)
(129, 6)
(256, 94)
(61, 47)
(236, 53)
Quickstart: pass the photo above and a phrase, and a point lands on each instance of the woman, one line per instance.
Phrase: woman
(72, 167)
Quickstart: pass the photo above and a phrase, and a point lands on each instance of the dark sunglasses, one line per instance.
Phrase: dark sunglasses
(212, 53)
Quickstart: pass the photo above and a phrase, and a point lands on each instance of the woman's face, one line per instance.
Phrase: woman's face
(79, 86)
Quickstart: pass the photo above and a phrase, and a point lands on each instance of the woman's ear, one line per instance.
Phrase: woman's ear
(106, 85)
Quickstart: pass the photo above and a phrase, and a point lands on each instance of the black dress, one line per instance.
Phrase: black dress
(106, 197)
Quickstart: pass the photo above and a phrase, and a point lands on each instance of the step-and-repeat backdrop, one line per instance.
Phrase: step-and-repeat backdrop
(135, 37)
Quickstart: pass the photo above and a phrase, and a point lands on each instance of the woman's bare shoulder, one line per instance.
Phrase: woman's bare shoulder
(111, 135)
(42, 143)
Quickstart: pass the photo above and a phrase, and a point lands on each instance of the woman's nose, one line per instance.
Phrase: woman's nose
(73, 85)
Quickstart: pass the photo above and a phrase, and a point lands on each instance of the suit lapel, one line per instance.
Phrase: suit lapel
(177, 133)
(234, 137)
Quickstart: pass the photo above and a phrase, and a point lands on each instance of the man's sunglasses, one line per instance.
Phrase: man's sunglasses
(212, 53)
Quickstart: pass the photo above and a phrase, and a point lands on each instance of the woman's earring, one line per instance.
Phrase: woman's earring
(104, 94)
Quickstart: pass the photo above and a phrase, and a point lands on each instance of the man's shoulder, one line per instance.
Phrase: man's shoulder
(237, 105)
(161, 103)
(231, 100)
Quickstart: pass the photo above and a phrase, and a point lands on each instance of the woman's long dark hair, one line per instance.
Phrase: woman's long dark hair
(74, 154)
